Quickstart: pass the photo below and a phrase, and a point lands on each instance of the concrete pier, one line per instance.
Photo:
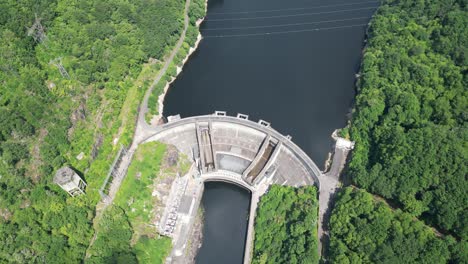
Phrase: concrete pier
(249, 242)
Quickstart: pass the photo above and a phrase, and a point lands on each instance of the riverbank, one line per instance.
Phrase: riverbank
(155, 119)
(156, 109)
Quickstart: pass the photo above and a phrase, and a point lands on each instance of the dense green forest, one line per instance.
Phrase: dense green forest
(286, 226)
(410, 118)
(113, 241)
(364, 230)
(72, 74)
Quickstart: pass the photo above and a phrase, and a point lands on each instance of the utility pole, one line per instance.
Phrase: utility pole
(58, 63)
(37, 31)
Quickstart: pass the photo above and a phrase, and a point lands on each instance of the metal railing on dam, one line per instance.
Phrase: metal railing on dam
(159, 132)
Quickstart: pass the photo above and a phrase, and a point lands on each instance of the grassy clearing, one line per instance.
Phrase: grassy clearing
(129, 112)
(153, 250)
(135, 193)
(122, 128)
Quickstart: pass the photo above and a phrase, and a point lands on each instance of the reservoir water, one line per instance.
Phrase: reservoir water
(291, 63)
(301, 82)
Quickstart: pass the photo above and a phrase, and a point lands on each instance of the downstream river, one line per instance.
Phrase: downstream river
(291, 63)
(224, 231)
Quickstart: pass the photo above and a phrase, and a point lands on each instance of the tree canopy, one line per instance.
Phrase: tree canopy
(364, 230)
(286, 226)
(66, 70)
(410, 116)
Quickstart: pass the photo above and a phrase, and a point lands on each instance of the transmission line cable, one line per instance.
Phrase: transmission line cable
(283, 32)
(291, 9)
(286, 25)
(293, 15)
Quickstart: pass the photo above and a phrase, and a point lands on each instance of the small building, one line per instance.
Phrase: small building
(173, 118)
(344, 143)
(70, 181)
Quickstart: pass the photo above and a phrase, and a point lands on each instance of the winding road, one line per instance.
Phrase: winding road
(142, 125)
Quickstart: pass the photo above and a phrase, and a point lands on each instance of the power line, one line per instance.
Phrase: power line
(290, 9)
(294, 15)
(283, 32)
(287, 25)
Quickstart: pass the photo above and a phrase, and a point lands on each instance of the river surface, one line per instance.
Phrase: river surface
(292, 63)
(225, 226)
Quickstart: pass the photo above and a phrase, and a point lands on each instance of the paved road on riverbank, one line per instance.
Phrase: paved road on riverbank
(141, 124)
(330, 185)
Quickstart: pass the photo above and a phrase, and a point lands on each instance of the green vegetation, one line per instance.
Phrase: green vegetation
(152, 250)
(286, 226)
(114, 241)
(136, 186)
(410, 118)
(196, 12)
(129, 223)
(112, 244)
(410, 130)
(47, 120)
(367, 231)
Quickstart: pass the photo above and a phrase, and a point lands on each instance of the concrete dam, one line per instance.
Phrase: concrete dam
(236, 150)
(247, 153)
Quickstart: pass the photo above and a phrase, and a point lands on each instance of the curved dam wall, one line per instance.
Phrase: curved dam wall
(239, 150)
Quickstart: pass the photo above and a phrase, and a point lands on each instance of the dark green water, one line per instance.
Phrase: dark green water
(225, 227)
(300, 77)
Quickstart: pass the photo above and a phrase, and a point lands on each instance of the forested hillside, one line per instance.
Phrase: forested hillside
(72, 74)
(286, 226)
(364, 230)
(410, 118)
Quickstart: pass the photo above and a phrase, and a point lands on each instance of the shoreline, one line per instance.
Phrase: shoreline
(156, 118)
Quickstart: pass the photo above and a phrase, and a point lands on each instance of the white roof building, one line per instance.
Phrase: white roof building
(70, 181)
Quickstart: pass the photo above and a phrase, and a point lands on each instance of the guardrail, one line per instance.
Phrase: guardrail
(113, 171)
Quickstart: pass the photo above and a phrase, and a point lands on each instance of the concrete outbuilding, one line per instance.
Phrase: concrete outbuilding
(70, 181)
